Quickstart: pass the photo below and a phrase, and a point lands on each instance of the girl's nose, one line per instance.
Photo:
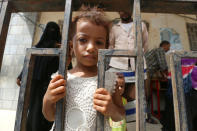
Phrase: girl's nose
(91, 47)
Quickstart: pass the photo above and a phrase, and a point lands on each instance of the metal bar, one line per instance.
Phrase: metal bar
(44, 51)
(60, 108)
(186, 54)
(4, 6)
(181, 0)
(118, 53)
(140, 98)
(1, 5)
(24, 94)
(178, 93)
(103, 53)
(5, 16)
(101, 82)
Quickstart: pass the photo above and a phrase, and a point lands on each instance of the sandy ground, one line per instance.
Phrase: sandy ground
(7, 121)
(149, 127)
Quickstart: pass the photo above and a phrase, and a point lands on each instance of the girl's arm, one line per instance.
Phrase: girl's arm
(56, 91)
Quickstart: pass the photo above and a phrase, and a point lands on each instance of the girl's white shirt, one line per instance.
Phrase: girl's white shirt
(79, 112)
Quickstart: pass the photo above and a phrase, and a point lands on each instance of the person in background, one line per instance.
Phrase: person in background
(156, 68)
(120, 87)
(122, 36)
(43, 68)
(156, 60)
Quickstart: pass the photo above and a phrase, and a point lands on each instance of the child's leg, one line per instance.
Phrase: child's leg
(129, 92)
(132, 91)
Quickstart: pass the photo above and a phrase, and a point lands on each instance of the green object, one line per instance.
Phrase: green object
(120, 125)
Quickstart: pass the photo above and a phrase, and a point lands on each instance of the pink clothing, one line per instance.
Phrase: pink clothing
(121, 39)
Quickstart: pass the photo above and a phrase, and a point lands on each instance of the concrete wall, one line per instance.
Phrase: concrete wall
(45, 17)
(20, 36)
(155, 20)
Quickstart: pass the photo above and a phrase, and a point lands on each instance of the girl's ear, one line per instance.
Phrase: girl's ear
(69, 53)
(70, 48)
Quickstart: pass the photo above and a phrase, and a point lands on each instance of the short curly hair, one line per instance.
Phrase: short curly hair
(96, 16)
(165, 42)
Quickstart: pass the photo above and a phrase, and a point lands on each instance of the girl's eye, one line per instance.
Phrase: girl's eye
(99, 43)
(82, 40)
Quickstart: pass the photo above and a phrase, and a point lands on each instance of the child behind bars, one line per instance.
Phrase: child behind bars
(83, 98)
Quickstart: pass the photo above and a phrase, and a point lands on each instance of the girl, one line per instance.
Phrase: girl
(83, 98)
(120, 125)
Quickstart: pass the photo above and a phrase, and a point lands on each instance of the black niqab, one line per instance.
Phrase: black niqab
(50, 36)
(46, 65)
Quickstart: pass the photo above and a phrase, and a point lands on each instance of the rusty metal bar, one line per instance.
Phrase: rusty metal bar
(5, 16)
(140, 95)
(24, 94)
(118, 53)
(103, 53)
(44, 51)
(60, 108)
(181, 122)
(101, 81)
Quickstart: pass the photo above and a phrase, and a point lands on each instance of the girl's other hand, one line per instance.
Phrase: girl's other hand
(103, 102)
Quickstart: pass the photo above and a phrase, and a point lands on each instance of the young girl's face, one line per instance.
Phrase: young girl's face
(88, 40)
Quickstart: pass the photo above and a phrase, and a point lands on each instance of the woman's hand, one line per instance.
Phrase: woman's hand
(18, 82)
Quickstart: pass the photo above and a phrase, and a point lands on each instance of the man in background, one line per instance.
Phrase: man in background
(156, 68)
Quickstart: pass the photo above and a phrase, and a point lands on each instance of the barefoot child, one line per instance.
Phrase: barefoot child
(83, 98)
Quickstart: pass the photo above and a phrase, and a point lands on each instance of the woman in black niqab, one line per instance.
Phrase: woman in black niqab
(43, 68)
(50, 36)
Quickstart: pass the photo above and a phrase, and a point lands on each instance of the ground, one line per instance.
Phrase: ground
(7, 121)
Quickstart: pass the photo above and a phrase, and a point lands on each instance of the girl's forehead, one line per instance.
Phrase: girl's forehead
(88, 27)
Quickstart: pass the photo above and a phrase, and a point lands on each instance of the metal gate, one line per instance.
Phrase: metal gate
(179, 104)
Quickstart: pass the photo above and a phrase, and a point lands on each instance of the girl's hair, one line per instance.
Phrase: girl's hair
(94, 15)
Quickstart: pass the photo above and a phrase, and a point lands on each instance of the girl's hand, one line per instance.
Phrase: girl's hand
(103, 102)
(56, 91)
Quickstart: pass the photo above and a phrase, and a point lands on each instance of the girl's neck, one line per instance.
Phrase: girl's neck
(84, 71)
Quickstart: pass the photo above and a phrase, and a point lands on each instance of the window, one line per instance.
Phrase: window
(192, 35)
(172, 36)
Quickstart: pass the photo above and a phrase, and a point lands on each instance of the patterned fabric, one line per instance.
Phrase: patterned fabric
(156, 60)
(121, 39)
(187, 80)
(80, 114)
(191, 61)
(194, 78)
